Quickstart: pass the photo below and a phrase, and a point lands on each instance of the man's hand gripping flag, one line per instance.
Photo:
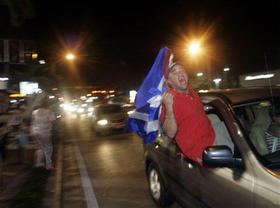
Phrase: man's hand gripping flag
(145, 119)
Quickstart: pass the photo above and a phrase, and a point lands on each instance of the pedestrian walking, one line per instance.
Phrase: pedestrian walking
(22, 138)
(41, 130)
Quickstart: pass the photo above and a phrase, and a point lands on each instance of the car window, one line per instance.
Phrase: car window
(222, 136)
(259, 122)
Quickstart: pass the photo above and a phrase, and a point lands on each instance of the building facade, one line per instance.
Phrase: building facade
(15, 56)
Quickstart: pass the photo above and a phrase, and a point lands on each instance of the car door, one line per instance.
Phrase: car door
(226, 187)
(181, 173)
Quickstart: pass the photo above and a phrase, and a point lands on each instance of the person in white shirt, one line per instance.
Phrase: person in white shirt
(41, 130)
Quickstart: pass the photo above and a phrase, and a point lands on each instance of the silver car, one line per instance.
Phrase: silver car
(243, 172)
(108, 117)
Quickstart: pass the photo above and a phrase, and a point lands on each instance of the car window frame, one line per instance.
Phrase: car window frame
(211, 109)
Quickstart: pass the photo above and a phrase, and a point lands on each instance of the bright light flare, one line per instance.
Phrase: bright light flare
(261, 76)
(70, 56)
(130, 112)
(102, 122)
(217, 81)
(81, 110)
(132, 96)
(226, 69)
(42, 62)
(194, 48)
(69, 108)
(199, 74)
(4, 78)
(91, 109)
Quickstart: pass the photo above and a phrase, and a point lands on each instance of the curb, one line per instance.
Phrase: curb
(58, 176)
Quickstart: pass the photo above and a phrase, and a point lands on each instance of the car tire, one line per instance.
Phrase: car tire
(157, 188)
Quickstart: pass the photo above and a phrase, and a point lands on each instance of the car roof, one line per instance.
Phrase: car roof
(240, 95)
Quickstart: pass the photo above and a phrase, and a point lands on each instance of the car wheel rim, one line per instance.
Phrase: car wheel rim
(155, 184)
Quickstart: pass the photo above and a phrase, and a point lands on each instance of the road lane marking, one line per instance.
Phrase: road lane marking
(86, 183)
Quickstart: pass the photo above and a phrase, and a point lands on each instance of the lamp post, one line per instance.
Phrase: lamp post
(225, 77)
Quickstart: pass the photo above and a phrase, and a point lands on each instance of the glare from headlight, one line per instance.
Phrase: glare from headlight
(81, 110)
(102, 122)
(130, 112)
(90, 109)
(69, 108)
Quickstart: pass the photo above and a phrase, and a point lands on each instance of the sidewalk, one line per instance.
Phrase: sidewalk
(14, 173)
(26, 186)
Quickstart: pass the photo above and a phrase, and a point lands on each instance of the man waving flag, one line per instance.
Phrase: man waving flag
(145, 119)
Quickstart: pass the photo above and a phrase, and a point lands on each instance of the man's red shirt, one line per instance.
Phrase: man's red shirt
(195, 131)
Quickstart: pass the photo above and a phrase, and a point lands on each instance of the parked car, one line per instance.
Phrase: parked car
(245, 172)
(108, 117)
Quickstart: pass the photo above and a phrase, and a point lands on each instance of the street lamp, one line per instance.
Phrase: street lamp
(70, 56)
(194, 48)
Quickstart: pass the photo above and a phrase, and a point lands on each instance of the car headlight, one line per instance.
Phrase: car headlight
(90, 109)
(130, 112)
(69, 108)
(102, 122)
(81, 110)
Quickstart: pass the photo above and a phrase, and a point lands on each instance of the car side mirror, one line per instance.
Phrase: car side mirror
(220, 156)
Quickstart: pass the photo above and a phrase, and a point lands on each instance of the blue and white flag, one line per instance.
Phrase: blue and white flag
(145, 119)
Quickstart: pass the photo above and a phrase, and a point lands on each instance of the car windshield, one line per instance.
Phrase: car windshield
(261, 122)
(108, 109)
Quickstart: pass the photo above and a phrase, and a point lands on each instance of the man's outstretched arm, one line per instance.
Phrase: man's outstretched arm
(169, 124)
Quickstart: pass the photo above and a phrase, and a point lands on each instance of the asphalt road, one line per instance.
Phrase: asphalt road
(106, 171)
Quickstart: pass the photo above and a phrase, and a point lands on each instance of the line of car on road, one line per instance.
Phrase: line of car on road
(105, 116)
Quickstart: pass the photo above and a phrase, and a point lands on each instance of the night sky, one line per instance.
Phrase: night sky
(118, 42)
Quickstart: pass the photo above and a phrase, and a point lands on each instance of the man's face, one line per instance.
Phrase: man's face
(178, 79)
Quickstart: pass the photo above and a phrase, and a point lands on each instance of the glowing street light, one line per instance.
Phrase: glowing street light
(194, 48)
(70, 56)
(226, 69)
(217, 80)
